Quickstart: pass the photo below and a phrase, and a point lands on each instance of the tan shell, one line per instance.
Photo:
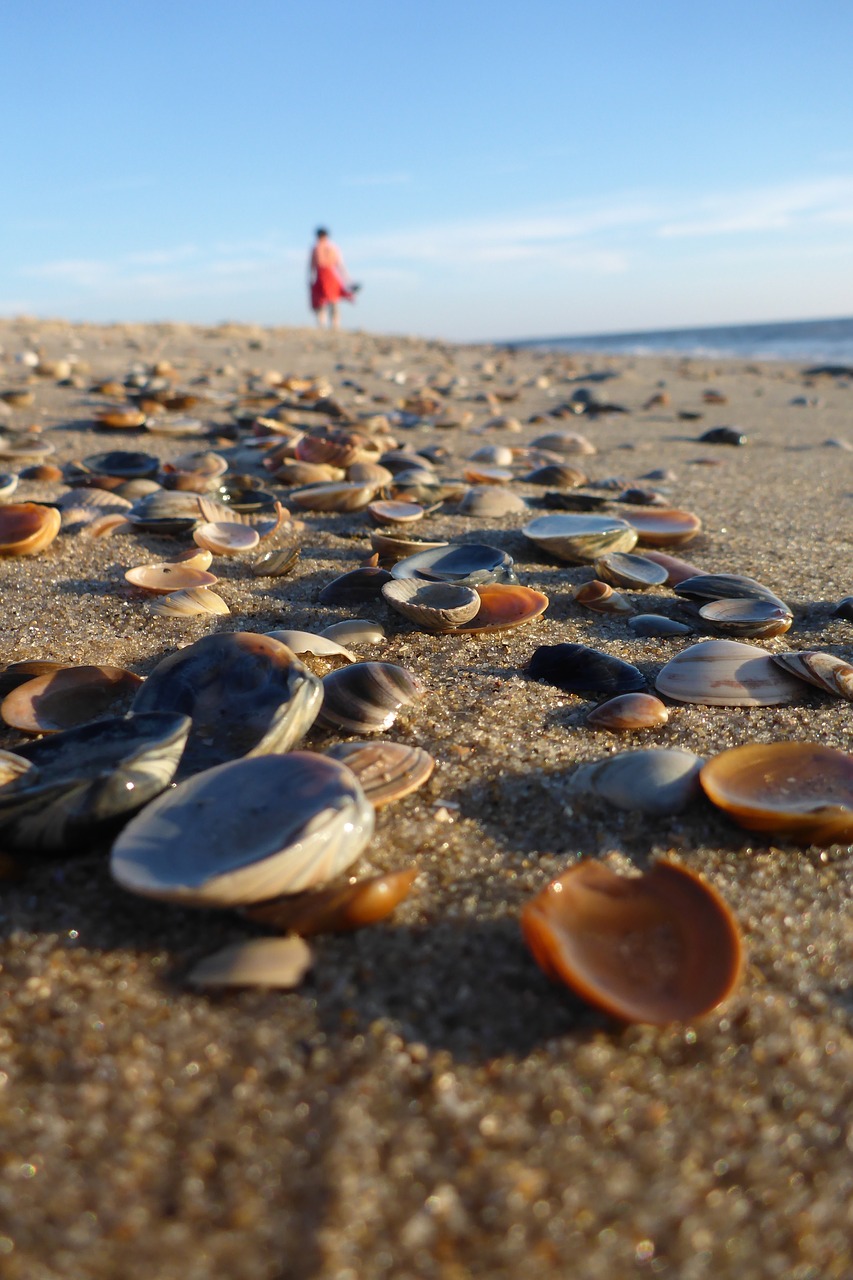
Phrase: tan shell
(336, 910)
(259, 962)
(393, 546)
(192, 558)
(121, 419)
(306, 643)
(677, 570)
(629, 711)
(802, 790)
(26, 528)
(657, 948)
(580, 539)
(726, 673)
(303, 473)
(601, 597)
(334, 497)
(387, 512)
(225, 538)
(825, 671)
(662, 526)
(164, 578)
(189, 603)
(386, 770)
(480, 473)
(68, 697)
(432, 606)
(370, 473)
(565, 442)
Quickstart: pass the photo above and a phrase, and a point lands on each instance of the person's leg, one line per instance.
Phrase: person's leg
(333, 314)
(319, 314)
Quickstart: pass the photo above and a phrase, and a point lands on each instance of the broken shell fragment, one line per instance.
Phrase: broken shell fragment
(657, 948)
(246, 831)
(336, 910)
(258, 962)
(601, 598)
(798, 789)
(726, 673)
(386, 770)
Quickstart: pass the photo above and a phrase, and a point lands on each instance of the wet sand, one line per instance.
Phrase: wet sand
(428, 1104)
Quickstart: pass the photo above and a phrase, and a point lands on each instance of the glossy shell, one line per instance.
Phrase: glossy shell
(69, 697)
(279, 963)
(576, 668)
(246, 831)
(337, 909)
(225, 538)
(825, 671)
(797, 789)
(601, 598)
(657, 948)
(580, 539)
(627, 712)
(367, 697)
(658, 781)
(726, 673)
(386, 770)
(663, 526)
(504, 605)
(620, 569)
(246, 694)
(759, 618)
(469, 564)
(160, 579)
(26, 528)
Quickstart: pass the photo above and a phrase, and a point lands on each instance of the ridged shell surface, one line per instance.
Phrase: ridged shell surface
(726, 673)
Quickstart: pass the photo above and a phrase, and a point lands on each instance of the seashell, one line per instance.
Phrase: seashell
(629, 711)
(225, 538)
(578, 669)
(502, 606)
(467, 564)
(246, 831)
(163, 578)
(275, 564)
(306, 643)
(844, 609)
(565, 442)
(726, 586)
(677, 571)
(175, 426)
(802, 790)
(663, 526)
(355, 587)
(67, 698)
(573, 501)
(369, 473)
(493, 455)
(397, 546)
(25, 444)
(367, 696)
(9, 483)
(203, 462)
(17, 673)
(424, 489)
(432, 606)
(122, 419)
(130, 490)
(398, 461)
(624, 570)
(336, 910)
(726, 673)
(342, 496)
(747, 617)
(386, 770)
(247, 696)
(502, 423)
(656, 624)
(558, 475)
(643, 498)
(18, 398)
(601, 597)
(123, 464)
(189, 603)
(481, 473)
(825, 671)
(658, 780)
(166, 511)
(81, 781)
(340, 449)
(27, 528)
(491, 503)
(355, 631)
(395, 512)
(657, 948)
(259, 962)
(723, 435)
(11, 767)
(307, 473)
(192, 558)
(580, 539)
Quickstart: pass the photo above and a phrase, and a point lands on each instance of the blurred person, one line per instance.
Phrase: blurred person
(328, 280)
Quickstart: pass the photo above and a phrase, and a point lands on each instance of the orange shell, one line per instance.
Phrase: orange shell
(336, 910)
(658, 948)
(26, 528)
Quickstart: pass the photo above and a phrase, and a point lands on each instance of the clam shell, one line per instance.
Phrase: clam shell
(624, 570)
(122, 419)
(25, 444)
(580, 539)
(799, 789)
(276, 564)
(493, 455)
(601, 597)
(369, 473)
(17, 673)
(726, 673)
(355, 631)
(656, 624)
(627, 712)
(336, 910)
(565, 442)
(225, 538)
(578, 669)
(676, 570)
(26, 528)
(558, 476)
(123, 464)
(726, 586)
(83, 780)
(657, 948)
(395, 512)
(747, 617)
(432, 606)
(386, 770)
(342, 496)
(658, 781)
(504, 605)
(247, 696)
(663, 526)
(823, 670)
(304, 643)
(69, 697)
(482, 473)
(246, 831)
(167, 511)
(355, 587)
(491, 503)
(469, 564)
(189, 603)
(396, 546)
(259, 962)
(161, 579)
(308, 473)
(367, 697)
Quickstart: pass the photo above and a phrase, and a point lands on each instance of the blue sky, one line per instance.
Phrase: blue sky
(489, 169)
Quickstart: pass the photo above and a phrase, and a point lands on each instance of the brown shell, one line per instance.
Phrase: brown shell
(798, 789)
(629, 711)
(601, 597)
(504, 605)
(26, 528)
(121, 419)
(662, 526)
(336, 910)
(388, 512)
(677, 570)
(69, 697)
(386, 770)
(657, 948)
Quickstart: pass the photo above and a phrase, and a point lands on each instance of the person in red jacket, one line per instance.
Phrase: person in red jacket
(328, 280)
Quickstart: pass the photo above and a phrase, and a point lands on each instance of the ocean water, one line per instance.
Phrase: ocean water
(814, 341)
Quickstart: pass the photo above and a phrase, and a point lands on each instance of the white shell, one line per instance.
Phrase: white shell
(726, 673)
(225, 539)
(302, 642)
(355, 631)
(189, 603)
(258, 962)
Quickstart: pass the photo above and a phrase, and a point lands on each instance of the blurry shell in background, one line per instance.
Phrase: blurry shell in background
(657, 948)
(246, 831)
(797, 789)
(621, 569)
(469, 564)
(258, 962)
(336, 909)
(26, 528)
(601, 598)
(224, 538)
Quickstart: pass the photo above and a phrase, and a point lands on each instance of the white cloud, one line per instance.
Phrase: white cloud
(794, 206)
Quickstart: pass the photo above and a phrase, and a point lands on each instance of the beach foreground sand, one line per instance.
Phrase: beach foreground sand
(428, 1103)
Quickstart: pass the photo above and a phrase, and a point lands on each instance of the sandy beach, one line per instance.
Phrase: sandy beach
(428, 1104)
